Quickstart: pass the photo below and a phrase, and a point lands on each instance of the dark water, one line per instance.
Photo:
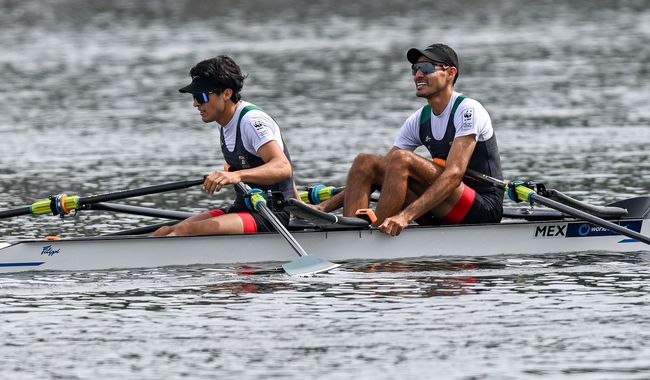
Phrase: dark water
(90, 105)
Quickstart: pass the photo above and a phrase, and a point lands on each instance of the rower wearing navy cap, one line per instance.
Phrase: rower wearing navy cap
(452, 127)
(251, 145)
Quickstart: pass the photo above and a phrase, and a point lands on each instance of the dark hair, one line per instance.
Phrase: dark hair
(224, 72)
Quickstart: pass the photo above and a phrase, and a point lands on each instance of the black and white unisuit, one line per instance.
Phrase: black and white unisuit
(463, 116)
(246, 132)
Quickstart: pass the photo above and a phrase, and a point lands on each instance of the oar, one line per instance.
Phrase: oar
(306, 264)
(62, 204)
(139, 210)
(142, 230)
(527, 194)
(320, 193)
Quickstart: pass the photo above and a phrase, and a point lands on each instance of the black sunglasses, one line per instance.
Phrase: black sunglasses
(427, 67)
(202, 97)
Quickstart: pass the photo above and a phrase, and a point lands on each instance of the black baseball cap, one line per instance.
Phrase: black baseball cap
(200, 84)
(439, 53)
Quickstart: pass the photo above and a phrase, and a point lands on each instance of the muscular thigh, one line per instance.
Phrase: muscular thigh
(422, 173)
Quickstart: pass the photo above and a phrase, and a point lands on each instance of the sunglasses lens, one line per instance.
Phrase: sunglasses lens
(201, 97)
(426, 68)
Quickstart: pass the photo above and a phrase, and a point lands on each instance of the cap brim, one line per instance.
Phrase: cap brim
(414, 54)
(199, 85)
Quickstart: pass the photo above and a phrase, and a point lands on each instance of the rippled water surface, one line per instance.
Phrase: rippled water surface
(90, 105)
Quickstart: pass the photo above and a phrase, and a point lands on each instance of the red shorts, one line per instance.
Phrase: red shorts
(462, 207)
(254, 222)
(250, 225)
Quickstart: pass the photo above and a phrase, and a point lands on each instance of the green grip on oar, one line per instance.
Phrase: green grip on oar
(57, 205)
(41, 207)
(519, 192)
(317, 194)
(253, 199)
(256, 200)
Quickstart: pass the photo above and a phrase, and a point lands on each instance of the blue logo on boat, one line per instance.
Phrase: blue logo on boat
(49, 251)
(588, 229)
(584, 230)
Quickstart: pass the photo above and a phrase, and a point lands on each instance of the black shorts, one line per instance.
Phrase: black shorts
(487, 208)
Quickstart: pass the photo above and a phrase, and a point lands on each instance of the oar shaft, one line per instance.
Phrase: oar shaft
(16, 212)
(304, 265)
(62, 204)
(475, 175)
(139, 210)
(525, 193)
(139, 192)
(269, 216)
(588, 217)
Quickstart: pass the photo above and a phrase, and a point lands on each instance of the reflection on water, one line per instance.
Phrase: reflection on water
(489, 312)
(419, 278)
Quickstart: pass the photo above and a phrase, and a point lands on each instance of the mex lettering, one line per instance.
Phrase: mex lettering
(550, 231)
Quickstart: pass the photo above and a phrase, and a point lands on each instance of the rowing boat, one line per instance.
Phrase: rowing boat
(523, 231)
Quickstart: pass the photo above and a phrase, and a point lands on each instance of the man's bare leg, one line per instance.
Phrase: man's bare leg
(166, 230)
(407, 176)
(365, 176)
(226, 224)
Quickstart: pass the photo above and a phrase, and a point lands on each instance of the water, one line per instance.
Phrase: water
(90, 105)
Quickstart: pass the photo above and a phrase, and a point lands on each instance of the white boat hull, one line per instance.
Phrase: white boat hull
(473, 240)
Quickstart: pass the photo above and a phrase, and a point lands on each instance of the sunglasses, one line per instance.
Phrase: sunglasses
(202, 97)
(427, 67)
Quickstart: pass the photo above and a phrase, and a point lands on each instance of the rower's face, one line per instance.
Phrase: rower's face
(215, 108)
(430, 83)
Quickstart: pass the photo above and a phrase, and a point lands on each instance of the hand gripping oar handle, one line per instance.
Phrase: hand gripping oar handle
(527, 194)
(306, 264)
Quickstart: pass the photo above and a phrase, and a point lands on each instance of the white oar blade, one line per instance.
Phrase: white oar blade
(308, 265)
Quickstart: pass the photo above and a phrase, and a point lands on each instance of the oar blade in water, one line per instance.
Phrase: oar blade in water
(308, 265)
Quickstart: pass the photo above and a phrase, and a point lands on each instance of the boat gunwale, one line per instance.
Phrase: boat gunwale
(316, 229)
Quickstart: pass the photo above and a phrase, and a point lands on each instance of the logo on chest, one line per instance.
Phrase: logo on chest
(243, 162)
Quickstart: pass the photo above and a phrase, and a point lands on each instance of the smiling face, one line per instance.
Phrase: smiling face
(434, 83)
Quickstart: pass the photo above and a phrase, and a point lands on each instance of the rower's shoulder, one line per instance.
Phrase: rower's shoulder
(471, 107)
(468, 101)
(254, 115)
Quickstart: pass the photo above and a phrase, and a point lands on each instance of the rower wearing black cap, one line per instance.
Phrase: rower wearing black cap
(251, 145)
(452, 127)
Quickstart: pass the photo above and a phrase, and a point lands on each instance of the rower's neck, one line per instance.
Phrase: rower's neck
(229, 111)
(440, 101)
